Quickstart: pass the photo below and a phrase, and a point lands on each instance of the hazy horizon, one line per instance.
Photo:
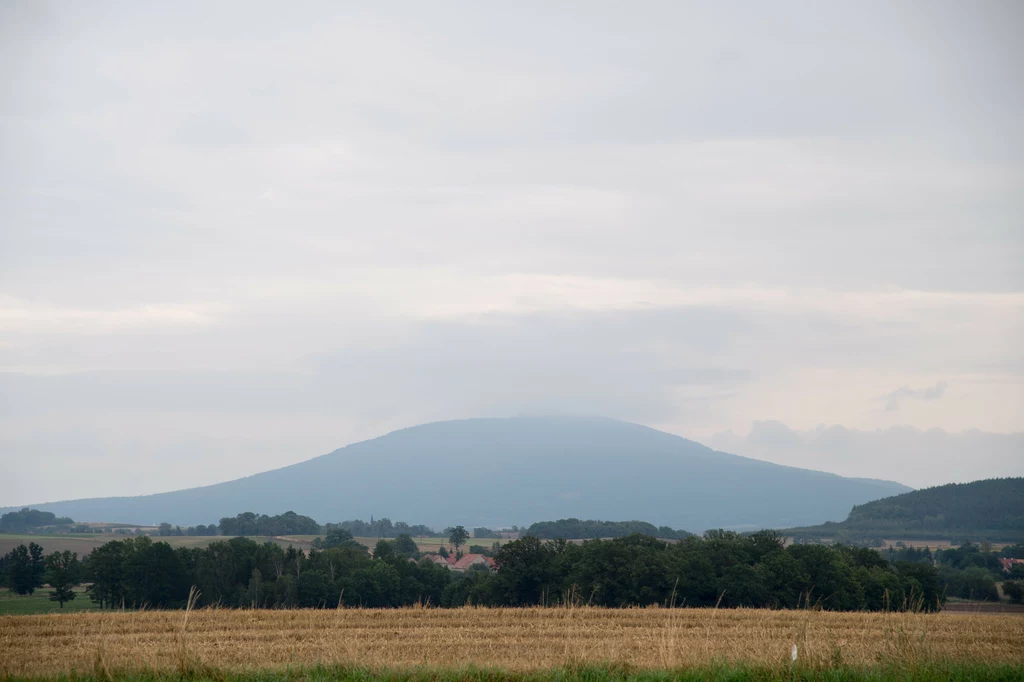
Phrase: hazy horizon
(798, 449)
(235, 237)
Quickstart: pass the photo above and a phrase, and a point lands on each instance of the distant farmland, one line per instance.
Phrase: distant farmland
(83, 543)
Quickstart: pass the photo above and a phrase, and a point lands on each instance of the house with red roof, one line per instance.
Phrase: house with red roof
(470, 560)
(462, 564)
(1008, 564)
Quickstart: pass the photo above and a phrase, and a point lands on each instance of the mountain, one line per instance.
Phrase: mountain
(898, 451)
(487, 472)
(992, 509)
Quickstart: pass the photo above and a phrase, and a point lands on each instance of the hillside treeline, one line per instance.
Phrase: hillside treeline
(720, 568)
(577, 529)
(992, 509)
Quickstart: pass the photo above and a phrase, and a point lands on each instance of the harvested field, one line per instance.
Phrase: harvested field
(83, 543)
(510, 639)
(983, 607)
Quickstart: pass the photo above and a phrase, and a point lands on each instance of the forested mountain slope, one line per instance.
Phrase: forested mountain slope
(991, 509)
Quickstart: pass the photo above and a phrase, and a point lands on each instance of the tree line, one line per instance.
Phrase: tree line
(289, 523)
(576, 529)
(721, 568)
(240, 525)
(29, 520)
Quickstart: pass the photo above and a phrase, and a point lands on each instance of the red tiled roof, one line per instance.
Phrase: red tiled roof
(469, 559)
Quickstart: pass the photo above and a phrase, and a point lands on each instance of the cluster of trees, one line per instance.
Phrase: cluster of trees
(991, 510)
(576, 529)
(969, 571)
(721, 568)
(485, 532)
(29, 520)
(1014, 589)
(290, 523)
(167, 530)
(243, 573)
(25, 569)
(249, 523)
(381, 528)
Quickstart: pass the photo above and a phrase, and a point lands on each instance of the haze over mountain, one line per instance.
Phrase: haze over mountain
(518, 470)
(915, 456)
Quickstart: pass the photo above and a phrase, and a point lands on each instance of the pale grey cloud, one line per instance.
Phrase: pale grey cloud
(895, 399)
(241, 235)
(916, 457)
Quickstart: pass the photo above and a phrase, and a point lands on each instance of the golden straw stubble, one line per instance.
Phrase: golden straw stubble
(515, 639)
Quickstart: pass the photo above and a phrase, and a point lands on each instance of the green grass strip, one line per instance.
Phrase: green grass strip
(939, 672)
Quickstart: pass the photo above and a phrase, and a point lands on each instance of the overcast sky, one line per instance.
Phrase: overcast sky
(238, 235)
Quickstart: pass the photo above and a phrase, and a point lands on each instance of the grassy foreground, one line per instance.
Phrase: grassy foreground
(12, 604)
(605, 673)
(492, 645)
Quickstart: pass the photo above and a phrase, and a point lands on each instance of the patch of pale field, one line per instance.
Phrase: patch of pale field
(515, 639)
(83, 543)
(937, 544)
(432, 545)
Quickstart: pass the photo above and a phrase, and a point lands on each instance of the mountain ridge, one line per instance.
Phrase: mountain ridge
(488, 471)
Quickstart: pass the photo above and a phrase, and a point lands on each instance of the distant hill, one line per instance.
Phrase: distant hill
(493, 472)
(992, 509)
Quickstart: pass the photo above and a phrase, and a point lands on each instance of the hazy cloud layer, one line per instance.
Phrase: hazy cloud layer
(896, 398)
(923, 458)
(233, 237)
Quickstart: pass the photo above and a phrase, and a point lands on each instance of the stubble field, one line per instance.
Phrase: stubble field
(517, 641)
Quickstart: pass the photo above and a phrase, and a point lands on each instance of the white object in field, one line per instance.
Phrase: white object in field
(793, 654)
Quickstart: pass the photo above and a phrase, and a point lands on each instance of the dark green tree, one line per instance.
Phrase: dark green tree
(38, 563)
(20, 578)
(63, 572)
(105, 569)
(457, 536)
(384, 550)
(406, 546)
(376, 586)
(337, 537)
(1014, 590)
